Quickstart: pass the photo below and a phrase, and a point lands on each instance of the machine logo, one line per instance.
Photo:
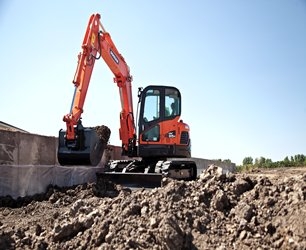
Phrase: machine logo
(171, 134)
(115, 58)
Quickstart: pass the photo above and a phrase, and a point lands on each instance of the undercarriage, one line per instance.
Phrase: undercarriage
(142, 174)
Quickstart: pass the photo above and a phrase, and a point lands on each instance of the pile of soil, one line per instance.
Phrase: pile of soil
(103, 133)
(264, 210)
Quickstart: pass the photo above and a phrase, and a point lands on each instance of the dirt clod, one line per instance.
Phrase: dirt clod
(103, 133)
(263, 210)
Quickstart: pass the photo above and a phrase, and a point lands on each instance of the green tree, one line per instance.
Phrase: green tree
(286, 162)
(300, 158)
(247, 160)
(256, 161)
(262, 161)
(268, 163)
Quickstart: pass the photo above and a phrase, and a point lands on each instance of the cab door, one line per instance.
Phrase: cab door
(160, 111)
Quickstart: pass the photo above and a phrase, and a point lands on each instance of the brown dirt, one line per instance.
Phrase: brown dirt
(103, 133)
(257, 210)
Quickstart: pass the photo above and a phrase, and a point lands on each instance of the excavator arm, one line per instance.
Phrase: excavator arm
(98, 42)
(121, 71)
(86, 62)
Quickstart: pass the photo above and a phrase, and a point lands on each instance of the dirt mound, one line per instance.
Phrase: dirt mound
(103, 133)
(217, 211)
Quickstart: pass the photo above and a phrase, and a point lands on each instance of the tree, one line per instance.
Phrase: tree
(256, 161)
(247, 160)
(286, 162)
(268, 163)
(286, 159)
(299, 159)
(262, 161)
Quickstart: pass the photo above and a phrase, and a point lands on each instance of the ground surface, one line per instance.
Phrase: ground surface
(257, 210)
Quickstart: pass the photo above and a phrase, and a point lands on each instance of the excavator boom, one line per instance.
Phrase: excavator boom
(82, 146)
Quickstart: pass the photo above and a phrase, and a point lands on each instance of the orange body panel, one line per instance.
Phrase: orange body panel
(165, 128)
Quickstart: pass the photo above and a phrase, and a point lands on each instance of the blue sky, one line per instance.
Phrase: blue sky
(240, 65)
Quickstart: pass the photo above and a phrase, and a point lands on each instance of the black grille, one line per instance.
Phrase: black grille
(184, 138)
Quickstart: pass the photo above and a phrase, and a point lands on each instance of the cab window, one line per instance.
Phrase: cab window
(172, 103)
(152, 104)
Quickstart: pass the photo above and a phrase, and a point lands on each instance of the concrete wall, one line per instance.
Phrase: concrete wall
(204, 163)
(17, 148)
(28, 164)
(23, 180)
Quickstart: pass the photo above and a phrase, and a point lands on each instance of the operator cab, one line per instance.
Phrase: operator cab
(159, 127)
(158, 103)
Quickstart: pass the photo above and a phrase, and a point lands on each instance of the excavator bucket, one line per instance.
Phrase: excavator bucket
(86, 149)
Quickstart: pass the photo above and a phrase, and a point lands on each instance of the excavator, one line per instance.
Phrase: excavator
(159, 147)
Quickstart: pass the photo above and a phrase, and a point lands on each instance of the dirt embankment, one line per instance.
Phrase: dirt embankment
(258, 210)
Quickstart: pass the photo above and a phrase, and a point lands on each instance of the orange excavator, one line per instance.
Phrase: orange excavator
(159, 148)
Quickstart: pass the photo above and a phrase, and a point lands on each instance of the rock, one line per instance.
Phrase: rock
(220, 201)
